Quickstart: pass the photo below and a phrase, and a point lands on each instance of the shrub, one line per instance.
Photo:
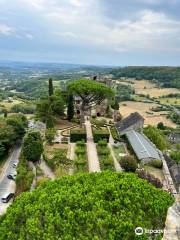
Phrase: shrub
(102, 143)
(24, 176)
(59, 159)
(80, 150)
(99, 122)
(150, 178)
(114, 133)
(77, 135)
(80, 143)
(156, 136)
(157, 163)
(175, 155)
(128, 163)
(105, 205)
(101, 134)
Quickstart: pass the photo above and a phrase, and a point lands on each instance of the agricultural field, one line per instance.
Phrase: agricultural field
(170, 101)
(151, 118)
(8, 105)
(147, 88)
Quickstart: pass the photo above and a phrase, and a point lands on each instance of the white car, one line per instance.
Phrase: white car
(15, 164)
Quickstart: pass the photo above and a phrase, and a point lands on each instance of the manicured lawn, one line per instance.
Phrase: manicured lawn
(81, 162)
(104, 155)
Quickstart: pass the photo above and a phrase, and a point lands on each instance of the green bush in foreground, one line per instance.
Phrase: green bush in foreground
(105, 205)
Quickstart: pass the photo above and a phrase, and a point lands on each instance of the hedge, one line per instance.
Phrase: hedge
(94, 206)
(78, 135)
(100, 134)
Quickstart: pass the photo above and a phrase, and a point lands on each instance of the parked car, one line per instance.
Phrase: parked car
(15, 164)
(6, 197)
(11, 176)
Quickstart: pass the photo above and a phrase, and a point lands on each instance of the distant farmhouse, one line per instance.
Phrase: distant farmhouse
(131, 127)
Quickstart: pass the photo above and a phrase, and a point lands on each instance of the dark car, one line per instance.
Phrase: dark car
(6, 197)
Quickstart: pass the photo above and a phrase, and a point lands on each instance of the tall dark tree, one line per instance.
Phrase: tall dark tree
(5, 113)
(51, 90)
(70, 107)
(50, 119)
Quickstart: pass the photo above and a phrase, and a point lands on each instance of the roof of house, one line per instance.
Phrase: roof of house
(129, 121)
(142, 146)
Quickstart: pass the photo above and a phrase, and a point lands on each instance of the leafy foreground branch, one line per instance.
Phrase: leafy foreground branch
(105, 205)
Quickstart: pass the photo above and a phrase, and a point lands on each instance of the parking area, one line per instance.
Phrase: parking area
(8, 185)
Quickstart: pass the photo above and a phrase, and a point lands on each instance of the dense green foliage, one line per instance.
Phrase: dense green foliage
(12, 129)
(77, 135)
(105, 205)
(23, 108)
(6, 137)
(100, 134)
(175, 118)
(70, 107)
(32, 146)
(164, 76)
(90, 91)
(128, 163)
(24, 176)
(32, 89)
(156, 136)
(50, 134)
(50, 107)
(157, 163)
(175, 155)
(124, 92)
(19, 123)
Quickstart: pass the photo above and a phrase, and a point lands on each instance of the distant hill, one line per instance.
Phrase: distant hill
(163, 76)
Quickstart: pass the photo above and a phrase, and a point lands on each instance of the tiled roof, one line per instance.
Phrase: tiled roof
(129, 121)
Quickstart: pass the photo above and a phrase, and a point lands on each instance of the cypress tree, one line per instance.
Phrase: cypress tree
(50, 119)
(51, 90)
(70, 107)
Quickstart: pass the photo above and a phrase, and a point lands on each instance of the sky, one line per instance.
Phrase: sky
(97, 32)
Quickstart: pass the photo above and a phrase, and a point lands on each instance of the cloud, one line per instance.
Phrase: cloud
(29, 36)
(6, 30)
(99, 26)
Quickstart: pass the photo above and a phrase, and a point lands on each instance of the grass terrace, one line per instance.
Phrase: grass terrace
(81, 162)
(104, 154)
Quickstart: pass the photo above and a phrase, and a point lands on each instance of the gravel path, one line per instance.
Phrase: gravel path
(91, 150)
(71, 156)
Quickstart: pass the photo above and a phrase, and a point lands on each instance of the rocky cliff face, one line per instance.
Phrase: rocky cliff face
(172, 226)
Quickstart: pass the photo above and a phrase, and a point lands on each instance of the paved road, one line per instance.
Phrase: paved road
(7, 185)
(91, 150)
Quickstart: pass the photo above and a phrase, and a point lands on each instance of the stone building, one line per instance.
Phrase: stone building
(133, 122)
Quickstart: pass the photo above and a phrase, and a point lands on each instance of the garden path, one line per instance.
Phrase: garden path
(93, 160)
